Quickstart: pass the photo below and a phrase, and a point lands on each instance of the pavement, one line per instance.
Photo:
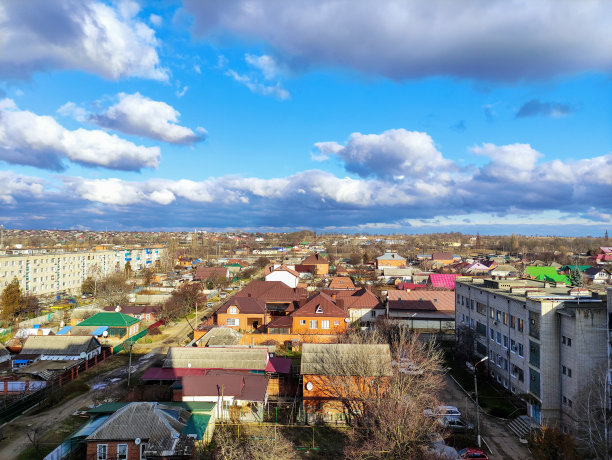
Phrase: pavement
(503, 444)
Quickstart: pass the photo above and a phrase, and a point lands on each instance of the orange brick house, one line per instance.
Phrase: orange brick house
(319, 315)
(243, 313)
(319, 264)
(390, 259)
(338, 379)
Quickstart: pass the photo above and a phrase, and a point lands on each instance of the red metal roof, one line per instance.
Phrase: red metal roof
(279, 365)
(440, 280)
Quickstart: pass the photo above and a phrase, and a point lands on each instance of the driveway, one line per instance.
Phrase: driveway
(504, 444)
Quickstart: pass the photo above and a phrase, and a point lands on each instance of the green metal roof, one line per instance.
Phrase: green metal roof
(110, 319)
(573, 267)
(199, 407)
(197, 425)
(546, 274)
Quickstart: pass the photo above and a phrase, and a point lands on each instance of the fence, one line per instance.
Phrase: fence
(29, 400)
(133, 339)
(258, 339)
(42, 319)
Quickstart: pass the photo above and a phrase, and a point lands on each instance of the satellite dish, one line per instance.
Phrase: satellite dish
(137, 441)
(105, 334)
(62, 324)
(189, 365)
(83, 355)
(117, 308)
(346, 320)
(309, 386)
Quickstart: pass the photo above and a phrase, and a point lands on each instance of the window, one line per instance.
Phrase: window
(492, 313)
(102, 452)
(233, 310)
(472, 323)
(506, 319)
(143, 448)
(498, 337)
(512, 322)
(492, 334)
(122, 451)
(569, 342)
(373, 313)
(563, 341)
(569, 372)
(521, 325)
(313, 324)
(302, 322)
(497, 315)
(336, 323)
(564, 370)
(505, 341)
(471, 304)
(232, 322)
(325, 324)
(319, 309)
(520, 350)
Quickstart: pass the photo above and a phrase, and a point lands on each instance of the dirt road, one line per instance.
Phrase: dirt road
(504, 444)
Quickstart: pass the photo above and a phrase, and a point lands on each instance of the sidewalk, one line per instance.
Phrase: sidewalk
(503, 444)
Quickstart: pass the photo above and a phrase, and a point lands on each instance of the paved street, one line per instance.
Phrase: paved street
(504, 444)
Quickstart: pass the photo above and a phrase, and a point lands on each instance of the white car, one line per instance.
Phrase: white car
(443, 411)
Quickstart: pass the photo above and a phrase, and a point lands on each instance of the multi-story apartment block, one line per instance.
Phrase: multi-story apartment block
(544, 343)
(52, 273)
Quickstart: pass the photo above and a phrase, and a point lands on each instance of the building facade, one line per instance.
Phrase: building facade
(52, 273)
(544, 343)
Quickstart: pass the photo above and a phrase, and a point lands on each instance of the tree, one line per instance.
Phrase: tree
(355, 259)
(30, 305)
(88, 286)
(552, 444)
(387, 413)
(128, 269)
(576, 278)
(11, 300)
(257, 443)
(148, 274)
(113, 290)
(182, 300)
(261, 262)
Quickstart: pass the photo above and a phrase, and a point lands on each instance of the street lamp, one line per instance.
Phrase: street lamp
(476, 393)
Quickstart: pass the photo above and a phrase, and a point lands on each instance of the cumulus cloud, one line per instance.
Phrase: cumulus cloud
(535, 107)
(139, 115)
(396, 153)
(13, 185)
(70, 109)
(513, 161)
(107, 40)
(39, 140)
(495, 40)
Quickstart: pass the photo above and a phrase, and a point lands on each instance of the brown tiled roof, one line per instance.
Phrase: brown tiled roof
(441, 256)
(411, 305)
(357, 298)
(203, 273)
(442, 300)
(320, 305)
(241, 385)
(341, 282)
(315, 259)
(272, 291)
(281, 322)
(246, 305)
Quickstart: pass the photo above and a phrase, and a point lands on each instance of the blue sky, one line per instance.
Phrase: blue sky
(338, 116)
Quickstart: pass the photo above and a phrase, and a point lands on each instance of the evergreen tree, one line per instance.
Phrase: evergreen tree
(576, 278)
(11, 300)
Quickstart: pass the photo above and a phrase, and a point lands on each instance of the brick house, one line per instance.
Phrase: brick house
(319, 315)
(242, 313)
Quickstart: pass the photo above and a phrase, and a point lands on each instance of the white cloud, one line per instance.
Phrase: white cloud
(484, 39)
(391, 154)
(39, 140)
(107, 40)
(70, 109)
(156, 20)
(12, 185)
(513, 161)
(139, 115)
(266, 64)
(256, 87)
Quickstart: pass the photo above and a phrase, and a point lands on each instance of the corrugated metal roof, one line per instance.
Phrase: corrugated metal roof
(342, 359)
(61, 345)
(110, 319)
(217, 358)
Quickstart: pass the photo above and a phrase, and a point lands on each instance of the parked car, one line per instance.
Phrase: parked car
(443, 411)
(456, 424)
(223, 295)
(210, 304)
(473, 453)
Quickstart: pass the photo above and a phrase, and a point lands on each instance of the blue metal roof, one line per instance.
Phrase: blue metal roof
(100, 330)
(63, 330)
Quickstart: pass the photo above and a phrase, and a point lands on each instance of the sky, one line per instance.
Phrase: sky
(337, 116)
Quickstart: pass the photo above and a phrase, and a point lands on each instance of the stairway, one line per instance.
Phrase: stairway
(521, 426)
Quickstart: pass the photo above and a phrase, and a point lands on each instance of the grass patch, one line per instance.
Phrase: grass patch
(328, 441)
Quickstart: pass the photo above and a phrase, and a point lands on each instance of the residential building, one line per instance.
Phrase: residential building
(390, 259)
(341, 282)
(284, 274)
(360, 304)
(319, 315)
(243, 313)
(543, 342)
(597, 275)
(115, 324)
(444, 258)
(58, 272)
(317, 263)
(61, 347)
(428, 312)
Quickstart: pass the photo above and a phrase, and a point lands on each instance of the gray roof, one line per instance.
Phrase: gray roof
(158, 425)
(220, 336)
(346, 359)
(390, 256)
(392, 271)
(217, 358)
(59, 345)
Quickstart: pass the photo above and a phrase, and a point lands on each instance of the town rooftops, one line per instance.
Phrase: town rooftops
(320, 305)
(391, 256)
(338, 359)
(441, 300)
(440, 280)
(203, 272)
(241, 358)
(114, 319)
(59, 345)
(341, 282)
(272, 291)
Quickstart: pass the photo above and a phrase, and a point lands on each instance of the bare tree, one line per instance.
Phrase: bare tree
(256, 442)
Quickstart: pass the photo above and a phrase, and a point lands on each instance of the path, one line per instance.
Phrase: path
(503, 443)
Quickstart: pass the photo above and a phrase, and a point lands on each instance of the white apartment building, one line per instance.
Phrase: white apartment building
(543, 342)
(52, 273)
